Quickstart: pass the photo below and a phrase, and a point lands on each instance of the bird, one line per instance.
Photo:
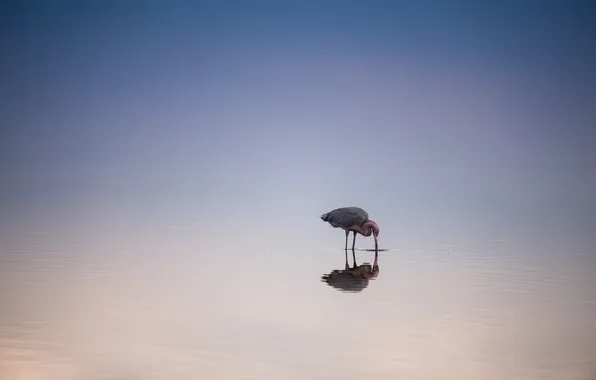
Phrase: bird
(353, 219)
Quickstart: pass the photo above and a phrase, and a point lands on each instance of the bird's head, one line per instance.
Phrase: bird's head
(372, 226)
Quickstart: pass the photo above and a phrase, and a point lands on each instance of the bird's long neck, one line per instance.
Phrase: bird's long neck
(368, 227)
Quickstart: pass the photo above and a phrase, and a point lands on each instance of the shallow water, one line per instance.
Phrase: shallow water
(225, 312)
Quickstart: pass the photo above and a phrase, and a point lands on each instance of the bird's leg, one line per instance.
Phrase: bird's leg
(354, 241)
(347, 266)
(354, 257)
(347, 233)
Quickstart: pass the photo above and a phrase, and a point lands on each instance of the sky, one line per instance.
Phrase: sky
(467, 120)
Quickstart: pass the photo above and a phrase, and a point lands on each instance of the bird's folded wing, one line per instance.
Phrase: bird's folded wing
(348, 216)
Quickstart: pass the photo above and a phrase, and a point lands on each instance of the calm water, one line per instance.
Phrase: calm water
(213, 309)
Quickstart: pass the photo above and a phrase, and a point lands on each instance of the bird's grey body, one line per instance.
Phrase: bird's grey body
(352, 219)
(345, 217)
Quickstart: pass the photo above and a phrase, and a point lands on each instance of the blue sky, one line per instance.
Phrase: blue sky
(441, 120)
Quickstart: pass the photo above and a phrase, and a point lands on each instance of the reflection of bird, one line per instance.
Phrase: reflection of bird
(353, 279)
(353, 219)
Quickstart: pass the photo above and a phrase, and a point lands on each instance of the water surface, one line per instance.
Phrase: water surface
(217, 311)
